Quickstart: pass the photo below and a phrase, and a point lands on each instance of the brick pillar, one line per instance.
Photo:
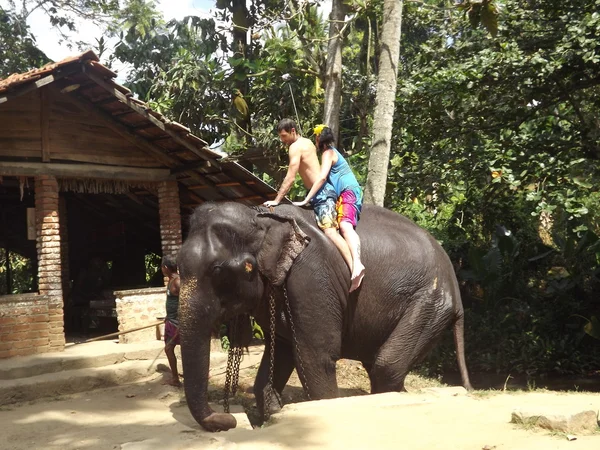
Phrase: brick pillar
(49, 259)
(170, 217)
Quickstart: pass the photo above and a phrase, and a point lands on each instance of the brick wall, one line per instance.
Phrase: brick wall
(49, 256)
(26, 322)
(170, 217)
(139, 307)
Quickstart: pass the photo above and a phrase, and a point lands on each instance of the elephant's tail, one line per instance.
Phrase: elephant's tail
(459, 342)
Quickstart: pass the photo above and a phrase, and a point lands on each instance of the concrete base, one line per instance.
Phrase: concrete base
(82, 367)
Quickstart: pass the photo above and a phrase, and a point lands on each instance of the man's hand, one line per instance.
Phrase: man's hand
(302, 203)
(270, 203)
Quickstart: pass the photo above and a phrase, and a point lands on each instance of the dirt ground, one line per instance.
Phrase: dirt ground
(151, 415)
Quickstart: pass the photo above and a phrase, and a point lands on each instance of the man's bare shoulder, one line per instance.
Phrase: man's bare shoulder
(302, 145)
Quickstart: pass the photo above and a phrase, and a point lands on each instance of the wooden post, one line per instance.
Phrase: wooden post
(45, 123)
(8, 274)
(31, 232)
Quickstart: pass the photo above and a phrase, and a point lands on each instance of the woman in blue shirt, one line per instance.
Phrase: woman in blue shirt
(336, 171)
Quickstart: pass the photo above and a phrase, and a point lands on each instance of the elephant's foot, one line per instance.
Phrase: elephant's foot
(269, 404)
(273, 406)
(219, 422)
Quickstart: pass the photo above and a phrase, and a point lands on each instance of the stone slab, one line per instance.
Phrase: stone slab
(567, 421)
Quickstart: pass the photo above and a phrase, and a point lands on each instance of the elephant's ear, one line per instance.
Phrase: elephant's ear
(283, 242)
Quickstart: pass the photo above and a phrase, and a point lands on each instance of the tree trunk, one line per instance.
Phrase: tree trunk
(333, 71)
(383, 116)
(240, 30)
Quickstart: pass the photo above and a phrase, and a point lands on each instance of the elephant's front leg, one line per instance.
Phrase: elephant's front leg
(317, 371)
(282, 369)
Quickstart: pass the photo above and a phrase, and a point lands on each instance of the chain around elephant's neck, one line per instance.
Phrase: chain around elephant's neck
(234, 358)
(234, 354)
(272, 321)
(299, 369)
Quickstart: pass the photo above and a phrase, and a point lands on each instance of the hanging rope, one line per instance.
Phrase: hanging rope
(295, 110)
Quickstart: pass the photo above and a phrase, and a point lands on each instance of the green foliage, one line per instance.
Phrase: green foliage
(174, 68)
(482, 12)
(500, 133)
(257, 333)
(152, 262)
(18, 51)
(22, 274)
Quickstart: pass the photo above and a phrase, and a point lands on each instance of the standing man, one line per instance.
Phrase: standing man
(169, 270)
(303, 160)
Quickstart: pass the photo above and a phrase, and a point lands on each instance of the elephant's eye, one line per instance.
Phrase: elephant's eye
(216, 271)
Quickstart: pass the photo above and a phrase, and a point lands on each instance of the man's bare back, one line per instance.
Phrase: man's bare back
(309, 167)
(303, 160)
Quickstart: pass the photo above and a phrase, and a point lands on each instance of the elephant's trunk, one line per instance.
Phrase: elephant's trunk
(195, 353)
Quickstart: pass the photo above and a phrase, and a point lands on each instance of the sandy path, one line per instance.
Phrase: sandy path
(149, 415)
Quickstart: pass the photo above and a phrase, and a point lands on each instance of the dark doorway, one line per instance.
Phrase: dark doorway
(111, 240)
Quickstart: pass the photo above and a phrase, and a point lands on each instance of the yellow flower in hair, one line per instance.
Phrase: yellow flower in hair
(318, 129)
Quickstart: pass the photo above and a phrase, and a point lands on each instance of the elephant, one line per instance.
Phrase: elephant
(236, 256)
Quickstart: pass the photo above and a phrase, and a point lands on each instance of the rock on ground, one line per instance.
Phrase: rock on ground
(572, 421)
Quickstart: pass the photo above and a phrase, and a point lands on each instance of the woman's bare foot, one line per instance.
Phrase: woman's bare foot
(357, 276)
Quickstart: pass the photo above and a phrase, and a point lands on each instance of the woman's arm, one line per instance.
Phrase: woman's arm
(326, 163)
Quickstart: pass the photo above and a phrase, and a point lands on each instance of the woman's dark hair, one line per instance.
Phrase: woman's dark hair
(326, 139)
(170, 263)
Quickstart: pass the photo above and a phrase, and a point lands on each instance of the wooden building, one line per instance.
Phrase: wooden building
(93, 183)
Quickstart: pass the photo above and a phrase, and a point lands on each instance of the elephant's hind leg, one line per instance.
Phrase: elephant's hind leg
(282, 369)
(414, 336)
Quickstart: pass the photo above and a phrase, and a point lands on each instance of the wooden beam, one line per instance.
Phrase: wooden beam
(192, 166)
(45, 124)
(250, 197)
(228, 184)
(143, 111)
(83, 171)
(237, 183)
(143, 126)
(164, 137)
(195, 197)
(32, 86)
(105, 101)
(242, 182)
(122, 113)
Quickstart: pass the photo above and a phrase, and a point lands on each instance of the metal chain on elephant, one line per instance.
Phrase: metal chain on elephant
(234, 358)
(300, 369)
(272, 313)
